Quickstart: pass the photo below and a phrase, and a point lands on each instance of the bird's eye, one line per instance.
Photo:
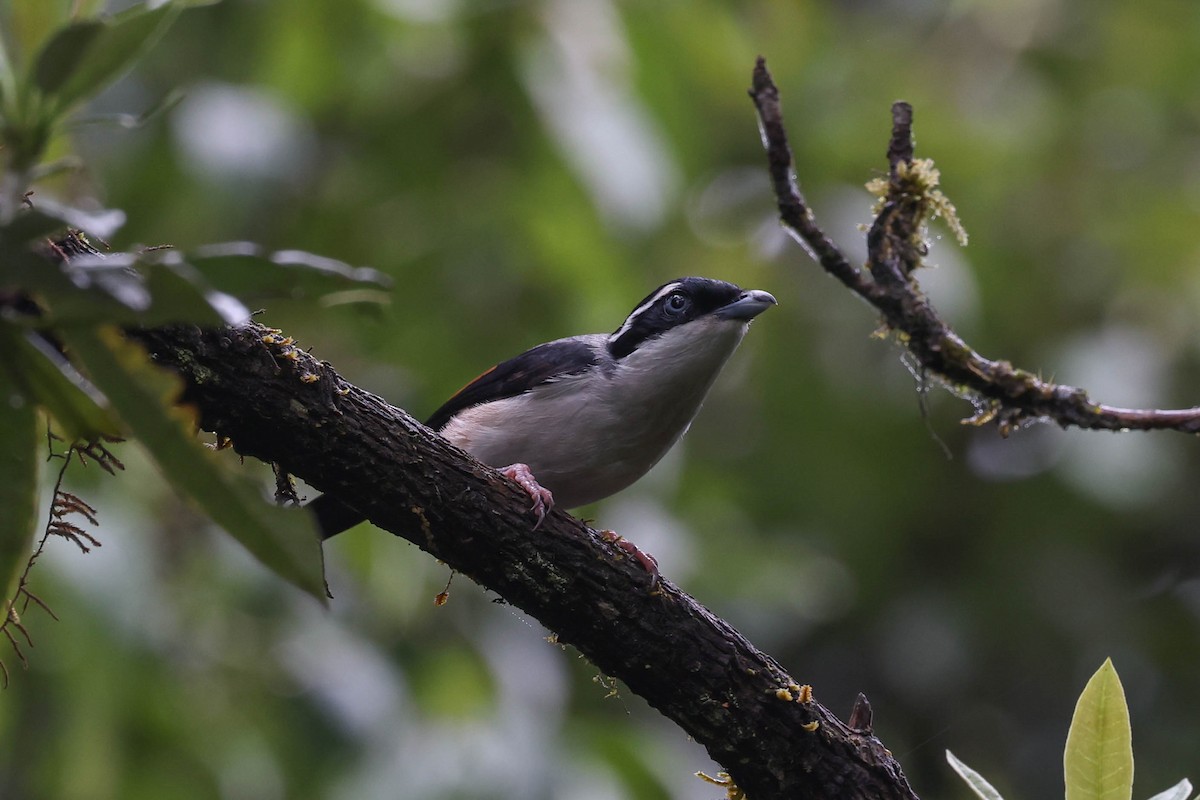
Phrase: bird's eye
(676, 303)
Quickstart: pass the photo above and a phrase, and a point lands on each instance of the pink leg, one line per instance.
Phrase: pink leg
(543, 501)
(648, 562)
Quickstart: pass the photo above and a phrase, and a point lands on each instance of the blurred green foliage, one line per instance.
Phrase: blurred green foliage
(60, 299)
(525, 171)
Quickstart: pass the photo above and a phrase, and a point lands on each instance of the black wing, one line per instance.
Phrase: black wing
(509, 379)
(518, 375)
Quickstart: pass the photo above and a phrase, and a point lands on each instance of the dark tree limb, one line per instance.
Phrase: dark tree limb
(895, 250)
(277, 403)
(771, 736)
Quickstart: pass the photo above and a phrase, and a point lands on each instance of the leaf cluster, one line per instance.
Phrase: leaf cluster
(64, 303)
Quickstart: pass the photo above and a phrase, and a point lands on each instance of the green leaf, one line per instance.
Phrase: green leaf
(111, 52)
(46, 378)
(8, 86)
(28, 227)
(134, 121)
(248, 271)
(978, 784)
(166, 286)
(25, 24)
(159, 289)
(63, 53)
(65, 298)
(1098, 762)
(1180, 791)
(284, 540)
(86, 8)
(180, 294)
(19, 440)
(122, 289)
(103, 223)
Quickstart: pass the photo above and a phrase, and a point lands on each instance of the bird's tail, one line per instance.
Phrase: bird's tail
(333, 516)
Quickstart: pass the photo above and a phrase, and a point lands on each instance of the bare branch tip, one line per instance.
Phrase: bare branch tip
(761, 81)
(900, 148)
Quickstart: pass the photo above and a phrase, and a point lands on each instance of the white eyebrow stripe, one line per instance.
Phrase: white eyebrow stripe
(670, 287)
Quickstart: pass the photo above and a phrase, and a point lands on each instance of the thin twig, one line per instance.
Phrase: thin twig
(62, 503)
(29, 595)
(1011, 395)
(793, 209)
(46, 534)
(16, 646)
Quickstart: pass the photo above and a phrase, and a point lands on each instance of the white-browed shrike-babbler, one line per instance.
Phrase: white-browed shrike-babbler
(578, 419)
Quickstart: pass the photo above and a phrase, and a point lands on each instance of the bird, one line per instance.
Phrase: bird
(577, 420)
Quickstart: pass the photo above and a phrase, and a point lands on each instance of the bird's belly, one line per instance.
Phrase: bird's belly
(581, 451)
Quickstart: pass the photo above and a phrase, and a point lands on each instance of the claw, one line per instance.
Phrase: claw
(543, 500)
(648, 562)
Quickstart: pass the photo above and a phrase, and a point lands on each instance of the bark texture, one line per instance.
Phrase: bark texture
(279, 404)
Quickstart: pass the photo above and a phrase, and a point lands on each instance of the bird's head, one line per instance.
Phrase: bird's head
(689, 310)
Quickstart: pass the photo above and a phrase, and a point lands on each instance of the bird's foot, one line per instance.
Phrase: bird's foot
(543, 501)
(648, 562)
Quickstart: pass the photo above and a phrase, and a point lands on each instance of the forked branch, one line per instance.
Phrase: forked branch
(895, 248)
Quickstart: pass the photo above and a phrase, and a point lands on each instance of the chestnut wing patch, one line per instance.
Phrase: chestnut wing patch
(517, 376)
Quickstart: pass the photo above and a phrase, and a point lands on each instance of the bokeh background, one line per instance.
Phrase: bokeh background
(528, 170)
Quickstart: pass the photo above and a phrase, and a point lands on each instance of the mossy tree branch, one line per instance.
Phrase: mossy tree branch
(771, 736)
(895, 250)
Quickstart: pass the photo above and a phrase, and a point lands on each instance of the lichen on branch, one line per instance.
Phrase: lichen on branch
(909, 198)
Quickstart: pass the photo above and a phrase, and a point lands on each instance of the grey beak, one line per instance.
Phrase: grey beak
(751, 303)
